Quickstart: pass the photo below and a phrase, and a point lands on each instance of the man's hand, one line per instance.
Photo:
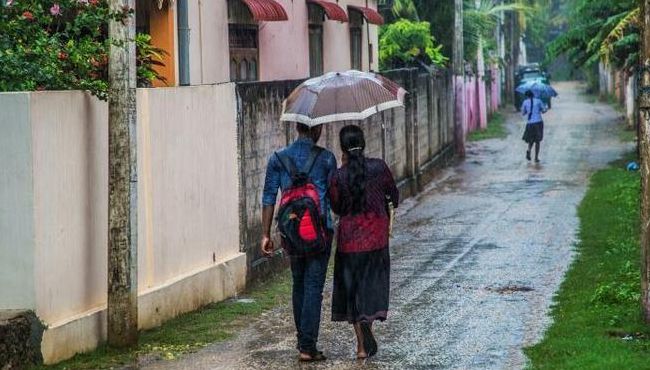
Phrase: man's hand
(267, 246)
(267, 219)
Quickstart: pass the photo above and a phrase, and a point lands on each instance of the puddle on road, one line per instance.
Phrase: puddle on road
(510, 289)
(486, 247)
(425, 221)
(531, 186)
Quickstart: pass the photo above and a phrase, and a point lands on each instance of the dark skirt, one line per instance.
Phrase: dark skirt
(361, 286)
(534, 133)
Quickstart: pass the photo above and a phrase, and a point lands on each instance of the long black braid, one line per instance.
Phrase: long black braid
(353, 145)
(530, 95)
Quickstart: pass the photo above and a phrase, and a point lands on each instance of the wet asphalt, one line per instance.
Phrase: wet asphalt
(476, 258)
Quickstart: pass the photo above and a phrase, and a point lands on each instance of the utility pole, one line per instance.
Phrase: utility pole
(122, 310)
(458, 61)
(513, 46)
(500, 35)
(480, 79)
(644, 130)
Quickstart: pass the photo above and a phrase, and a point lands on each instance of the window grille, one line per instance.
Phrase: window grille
(356, 39)
(244, 52)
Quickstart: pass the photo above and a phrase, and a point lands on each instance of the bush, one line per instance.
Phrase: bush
(58, 45)
(404, 43)
(625, 289)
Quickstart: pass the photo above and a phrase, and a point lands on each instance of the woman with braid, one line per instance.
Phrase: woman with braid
(359, 193)
(533, 108)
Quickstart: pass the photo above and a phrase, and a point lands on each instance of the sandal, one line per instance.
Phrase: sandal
(313, 356)
(369, 342)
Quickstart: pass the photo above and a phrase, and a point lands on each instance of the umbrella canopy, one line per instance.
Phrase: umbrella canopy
(539, 89)
(341, 96)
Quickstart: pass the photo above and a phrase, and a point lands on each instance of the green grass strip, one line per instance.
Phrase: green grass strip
(597, 313)
(192, 331)
(495, 129)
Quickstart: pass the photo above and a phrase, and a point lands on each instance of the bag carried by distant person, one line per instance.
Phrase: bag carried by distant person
(300, 218)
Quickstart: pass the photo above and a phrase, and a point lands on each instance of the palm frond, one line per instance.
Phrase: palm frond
(633, 17)
(480, 21)
(405, 9)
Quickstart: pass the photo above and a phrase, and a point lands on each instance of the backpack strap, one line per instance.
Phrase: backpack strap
(287, 164)
(314, 153)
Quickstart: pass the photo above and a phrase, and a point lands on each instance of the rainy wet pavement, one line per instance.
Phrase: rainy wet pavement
(475, 260)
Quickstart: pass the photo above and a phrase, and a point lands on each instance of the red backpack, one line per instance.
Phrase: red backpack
(300, 217)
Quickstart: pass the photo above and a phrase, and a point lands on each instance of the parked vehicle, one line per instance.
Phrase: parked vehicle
(527, 73)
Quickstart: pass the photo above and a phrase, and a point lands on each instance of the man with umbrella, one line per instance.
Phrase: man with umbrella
(308, 272)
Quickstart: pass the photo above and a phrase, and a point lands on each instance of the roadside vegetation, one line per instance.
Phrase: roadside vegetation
(495, 129)
(594, 31)
(192, 331)
(406, 43)
(64, 45)
(597, 318)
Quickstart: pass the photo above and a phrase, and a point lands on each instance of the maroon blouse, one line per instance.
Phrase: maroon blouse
(366, 231)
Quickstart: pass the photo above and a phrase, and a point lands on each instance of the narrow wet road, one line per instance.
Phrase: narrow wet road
(475, 262)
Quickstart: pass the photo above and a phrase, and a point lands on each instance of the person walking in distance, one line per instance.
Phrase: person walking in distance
(301, 171)
(532, 108)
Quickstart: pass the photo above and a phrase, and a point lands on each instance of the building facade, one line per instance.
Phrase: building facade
(219, 41)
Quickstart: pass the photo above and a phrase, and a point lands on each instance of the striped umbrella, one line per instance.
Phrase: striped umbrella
(341, 96)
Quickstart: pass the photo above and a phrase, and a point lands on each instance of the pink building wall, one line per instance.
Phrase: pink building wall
(336, 41)
(283, 46)
(495, 95)
(472, 106)
(460, 114)
(481, 96)
(472, 99)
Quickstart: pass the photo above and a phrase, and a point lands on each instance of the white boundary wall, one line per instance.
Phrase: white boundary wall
(53, 208)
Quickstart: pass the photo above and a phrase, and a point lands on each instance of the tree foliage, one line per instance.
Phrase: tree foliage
(405, 9)
(538, 28)
(405, 43)
(62, 45)
(622, 37)
(148, 57)
(480, 22)
(599, 30)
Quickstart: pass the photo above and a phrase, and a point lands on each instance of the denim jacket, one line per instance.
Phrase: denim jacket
(277, 176)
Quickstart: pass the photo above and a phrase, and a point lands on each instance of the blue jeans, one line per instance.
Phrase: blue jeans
(308, 281)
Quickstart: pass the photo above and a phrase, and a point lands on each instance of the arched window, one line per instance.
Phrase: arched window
(243, 38)
(316, 17)
(233, 69)
(252, 69)
(356, 39)
(243, 71)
